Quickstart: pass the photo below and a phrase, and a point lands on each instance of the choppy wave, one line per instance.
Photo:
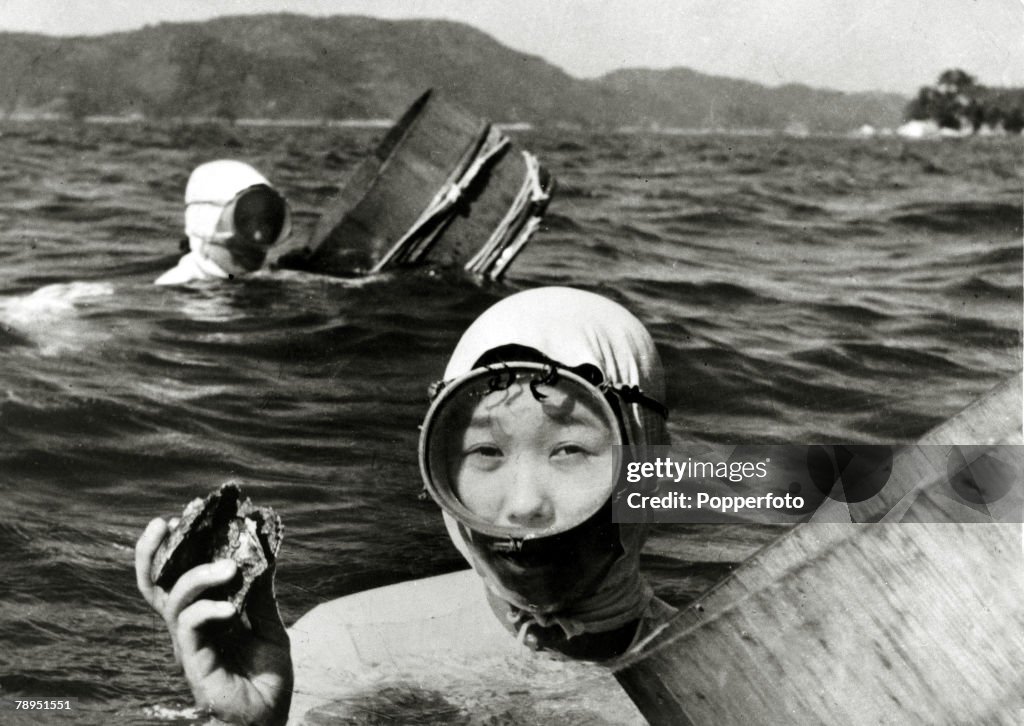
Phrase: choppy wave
(801, 290)
(53, 318)
(960, 216)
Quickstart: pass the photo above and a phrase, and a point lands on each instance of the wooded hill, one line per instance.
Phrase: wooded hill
(348, 67)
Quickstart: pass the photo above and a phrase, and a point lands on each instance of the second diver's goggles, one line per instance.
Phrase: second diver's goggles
(514, 377)
(249, 224)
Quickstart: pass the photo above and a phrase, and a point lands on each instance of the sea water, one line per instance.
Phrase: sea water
(803, 290)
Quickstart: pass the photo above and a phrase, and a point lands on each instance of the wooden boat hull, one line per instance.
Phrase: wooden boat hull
(917, 620)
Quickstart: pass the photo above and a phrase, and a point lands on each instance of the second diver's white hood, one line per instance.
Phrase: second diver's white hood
(225, 224)
(210, 188)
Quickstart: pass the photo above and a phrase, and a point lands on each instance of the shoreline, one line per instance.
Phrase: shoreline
(19, 118)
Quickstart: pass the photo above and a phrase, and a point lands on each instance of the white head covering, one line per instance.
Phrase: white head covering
(574, 327)
(209, 189)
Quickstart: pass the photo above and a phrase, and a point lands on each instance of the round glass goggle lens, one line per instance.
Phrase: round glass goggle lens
(520, 450)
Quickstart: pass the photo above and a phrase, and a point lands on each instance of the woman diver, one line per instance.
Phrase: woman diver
(519, 450)
(232, 217)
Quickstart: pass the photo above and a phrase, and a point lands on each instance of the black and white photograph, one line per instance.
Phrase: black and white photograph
(478, 363)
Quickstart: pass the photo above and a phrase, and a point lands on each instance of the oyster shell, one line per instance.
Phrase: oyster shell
(221, 526)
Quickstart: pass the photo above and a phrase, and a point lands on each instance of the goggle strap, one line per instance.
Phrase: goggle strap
(633, 394)
(434, 389)
(613, 402)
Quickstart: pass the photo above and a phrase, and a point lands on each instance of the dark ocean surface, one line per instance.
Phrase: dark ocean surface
(802, 290)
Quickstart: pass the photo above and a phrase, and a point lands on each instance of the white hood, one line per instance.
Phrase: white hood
(575, 327)
(210, 188)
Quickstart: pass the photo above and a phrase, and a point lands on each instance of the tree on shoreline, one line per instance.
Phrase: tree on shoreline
(957, 101)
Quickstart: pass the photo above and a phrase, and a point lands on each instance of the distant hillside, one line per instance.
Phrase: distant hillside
(290, 66)
(684, 98)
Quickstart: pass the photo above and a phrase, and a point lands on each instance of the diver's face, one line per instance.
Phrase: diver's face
(539, 462)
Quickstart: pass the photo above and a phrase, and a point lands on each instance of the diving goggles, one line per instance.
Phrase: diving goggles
(250, 223)
(514, 387)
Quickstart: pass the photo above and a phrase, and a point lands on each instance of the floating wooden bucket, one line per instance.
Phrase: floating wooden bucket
(443, 187)
(916, 622)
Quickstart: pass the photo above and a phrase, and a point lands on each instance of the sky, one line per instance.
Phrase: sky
(849, 45)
